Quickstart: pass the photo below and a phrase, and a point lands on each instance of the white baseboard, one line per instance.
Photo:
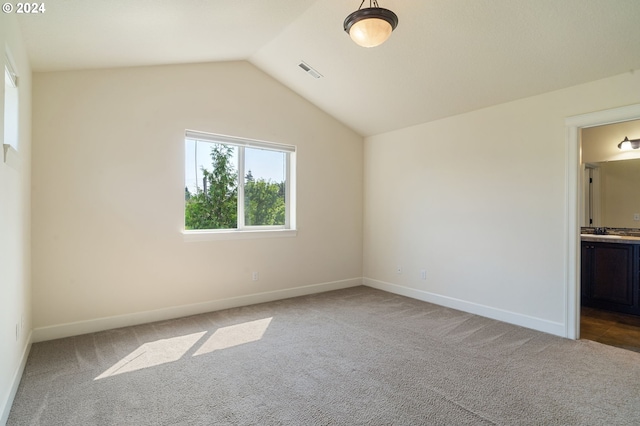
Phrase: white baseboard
(17, 376)
(538, 324)
(108, 323)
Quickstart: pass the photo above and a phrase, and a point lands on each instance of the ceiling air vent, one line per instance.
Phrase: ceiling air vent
(313, 73)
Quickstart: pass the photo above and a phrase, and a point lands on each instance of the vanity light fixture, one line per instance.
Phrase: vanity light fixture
(371, 26)
(627, 145)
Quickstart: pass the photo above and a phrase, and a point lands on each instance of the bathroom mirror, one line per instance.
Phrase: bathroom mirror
(613, 193)
(611, 177)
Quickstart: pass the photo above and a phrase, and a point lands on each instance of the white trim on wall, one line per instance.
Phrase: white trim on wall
(108, 323)
(473, 308)
(574, 191)
(5, 409)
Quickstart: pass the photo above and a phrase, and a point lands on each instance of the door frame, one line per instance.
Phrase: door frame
(574, 187)
(591, 195)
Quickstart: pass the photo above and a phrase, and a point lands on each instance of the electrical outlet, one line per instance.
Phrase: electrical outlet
(398, 269)
(423, 274)
(254, 276)
(636, 216)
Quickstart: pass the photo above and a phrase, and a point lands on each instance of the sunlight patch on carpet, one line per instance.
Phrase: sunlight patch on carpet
(234, 335)
(153, 354)
(163, 351)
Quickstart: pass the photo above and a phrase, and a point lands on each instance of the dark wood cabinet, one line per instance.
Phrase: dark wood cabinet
(610, 276)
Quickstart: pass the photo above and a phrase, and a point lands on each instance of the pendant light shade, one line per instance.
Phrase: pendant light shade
(371, 26)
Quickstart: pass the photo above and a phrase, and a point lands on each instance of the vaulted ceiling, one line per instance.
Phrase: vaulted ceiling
(446, 57)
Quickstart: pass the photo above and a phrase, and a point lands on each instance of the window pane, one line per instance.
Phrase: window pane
(211, 185)
(264, 190)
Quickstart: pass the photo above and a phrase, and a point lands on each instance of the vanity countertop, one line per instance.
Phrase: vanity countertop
(608, 238)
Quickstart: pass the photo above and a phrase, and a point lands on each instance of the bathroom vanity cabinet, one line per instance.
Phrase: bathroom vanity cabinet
(610, 274)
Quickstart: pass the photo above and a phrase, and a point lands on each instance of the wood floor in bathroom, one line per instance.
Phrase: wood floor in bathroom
(610, 328)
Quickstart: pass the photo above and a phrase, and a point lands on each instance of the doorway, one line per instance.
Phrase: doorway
(576, 201)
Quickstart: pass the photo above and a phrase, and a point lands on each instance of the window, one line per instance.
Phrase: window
(10, 106)
(235, 184)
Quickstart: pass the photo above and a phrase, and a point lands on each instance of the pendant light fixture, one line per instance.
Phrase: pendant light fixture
(371, 26)
(627, 144)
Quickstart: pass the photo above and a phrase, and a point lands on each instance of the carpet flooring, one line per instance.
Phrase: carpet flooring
(350, 357)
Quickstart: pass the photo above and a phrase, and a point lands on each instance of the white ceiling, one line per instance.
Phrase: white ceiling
(446, 57)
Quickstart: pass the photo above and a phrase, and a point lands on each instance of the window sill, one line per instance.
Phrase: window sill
(208, 235)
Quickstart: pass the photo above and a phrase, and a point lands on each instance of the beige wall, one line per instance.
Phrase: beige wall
(479, 201)
(15, 303)
(108, 193)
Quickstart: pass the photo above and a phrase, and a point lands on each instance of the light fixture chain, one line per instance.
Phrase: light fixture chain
(372, 3)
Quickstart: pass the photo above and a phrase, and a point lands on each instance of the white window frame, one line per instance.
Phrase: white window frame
(10, 141)
(242, 231)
